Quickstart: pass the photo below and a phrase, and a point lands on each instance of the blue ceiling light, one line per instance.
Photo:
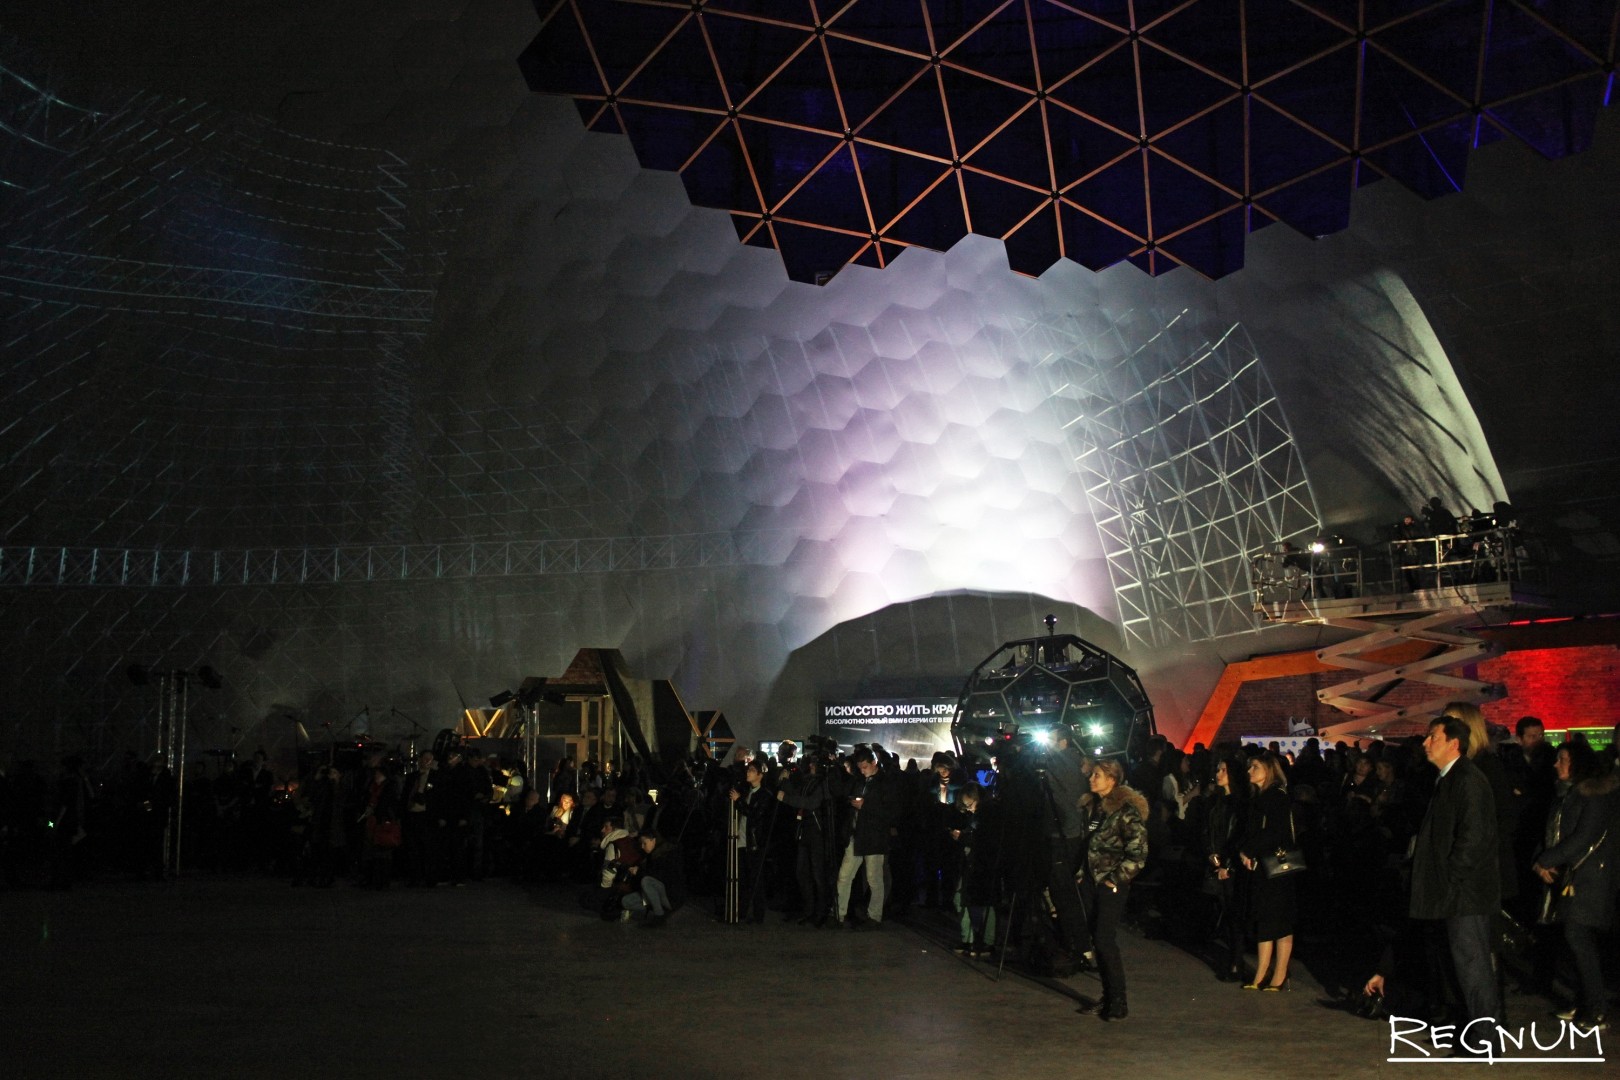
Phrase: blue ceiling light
(1154, 131)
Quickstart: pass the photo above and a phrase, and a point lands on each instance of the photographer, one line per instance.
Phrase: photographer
(806, 793)
(1066, 783)
(660, 877)
(755, 809)
(874, 804)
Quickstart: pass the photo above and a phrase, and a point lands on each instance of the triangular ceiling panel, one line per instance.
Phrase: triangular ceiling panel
(999, 49)
(1443, 42)
(751, 51)
(869, 77)
(1214, 248)
(869, 110)
(978, 106)
(1539, 53)
(1018, 151)
(894, 181)
(1556, 122)
(783, 156)
(1432, 163)
(894, 24)
(831, 195)
(915, 120)
(1037, 243)
(936, 219)
(1202, 35)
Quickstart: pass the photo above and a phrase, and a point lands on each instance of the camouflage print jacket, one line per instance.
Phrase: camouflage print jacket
(1119, 845)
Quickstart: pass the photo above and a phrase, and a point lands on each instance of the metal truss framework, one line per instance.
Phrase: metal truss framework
(71, 566)
(1191, 467)
(177, 285)
(1161, 133)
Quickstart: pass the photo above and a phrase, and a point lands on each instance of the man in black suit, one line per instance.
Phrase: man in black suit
(1454, 867)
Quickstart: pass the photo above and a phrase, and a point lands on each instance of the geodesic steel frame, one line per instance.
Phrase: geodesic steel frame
(1192, 468)
(1155, 131)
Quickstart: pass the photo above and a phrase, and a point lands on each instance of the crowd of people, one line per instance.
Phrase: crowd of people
(1460, 861)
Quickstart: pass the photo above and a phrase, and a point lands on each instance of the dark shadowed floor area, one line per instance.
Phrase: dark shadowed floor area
(249, 978)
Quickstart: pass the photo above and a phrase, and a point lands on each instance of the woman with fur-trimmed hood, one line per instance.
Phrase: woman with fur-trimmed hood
(1116, 851)
(1578, 866)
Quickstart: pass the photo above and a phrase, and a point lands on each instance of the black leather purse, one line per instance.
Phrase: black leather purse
(1287, 860)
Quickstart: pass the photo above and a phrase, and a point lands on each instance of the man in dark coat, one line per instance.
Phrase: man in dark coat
(756, 812)
(1454, 867)
(808, 798)
(874, 802)
(1066, 783)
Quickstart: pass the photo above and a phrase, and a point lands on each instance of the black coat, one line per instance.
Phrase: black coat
(1588, 815)
(1224, 818)
(758, 811)
(1454, 866)
(1268, 826)
(978, 864)
(667, 863)
(807, 795)
(1490, 763)
(880, 811)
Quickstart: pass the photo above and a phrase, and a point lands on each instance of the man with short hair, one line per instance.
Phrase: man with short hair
(1067, 780)
(1454, 865)
(874, 803)
(755, 815)
(420, 800)
(1528, 766)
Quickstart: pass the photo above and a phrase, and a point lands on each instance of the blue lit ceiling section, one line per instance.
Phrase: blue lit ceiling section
(1150, 131)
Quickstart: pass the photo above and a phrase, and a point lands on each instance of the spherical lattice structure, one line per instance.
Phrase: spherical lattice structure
(1036, 687)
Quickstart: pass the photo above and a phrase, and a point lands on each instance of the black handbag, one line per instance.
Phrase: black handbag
(1287, 860)
(1554, 896)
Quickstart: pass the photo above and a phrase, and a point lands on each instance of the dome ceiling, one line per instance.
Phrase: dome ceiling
(1154, 131)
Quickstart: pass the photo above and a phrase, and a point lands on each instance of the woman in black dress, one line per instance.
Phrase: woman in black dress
(1222, 831)
(1273, 908)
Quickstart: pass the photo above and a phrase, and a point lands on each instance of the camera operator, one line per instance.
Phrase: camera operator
(806, 793)
(874, 802)
(755, 809)
(1066, 838)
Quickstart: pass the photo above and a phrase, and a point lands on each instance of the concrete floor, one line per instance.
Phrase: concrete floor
(249, 978)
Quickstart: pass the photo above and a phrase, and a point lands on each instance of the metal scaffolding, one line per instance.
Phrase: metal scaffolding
(63, 567)
(1190, 466)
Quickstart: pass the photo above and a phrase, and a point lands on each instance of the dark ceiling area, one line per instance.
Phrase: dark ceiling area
(1154, 131)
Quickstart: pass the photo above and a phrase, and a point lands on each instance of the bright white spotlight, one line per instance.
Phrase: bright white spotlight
(1044, 738)
(1095, 729)
(1317, 547)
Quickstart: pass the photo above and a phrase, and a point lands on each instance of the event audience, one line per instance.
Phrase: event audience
(825, 834)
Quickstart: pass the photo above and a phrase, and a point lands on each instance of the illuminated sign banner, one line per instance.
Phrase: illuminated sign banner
(906, 727)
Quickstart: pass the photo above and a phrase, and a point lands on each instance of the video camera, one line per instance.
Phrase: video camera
(820, 748)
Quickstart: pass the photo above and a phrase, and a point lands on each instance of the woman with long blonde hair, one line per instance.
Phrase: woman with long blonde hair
(1273, 905)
